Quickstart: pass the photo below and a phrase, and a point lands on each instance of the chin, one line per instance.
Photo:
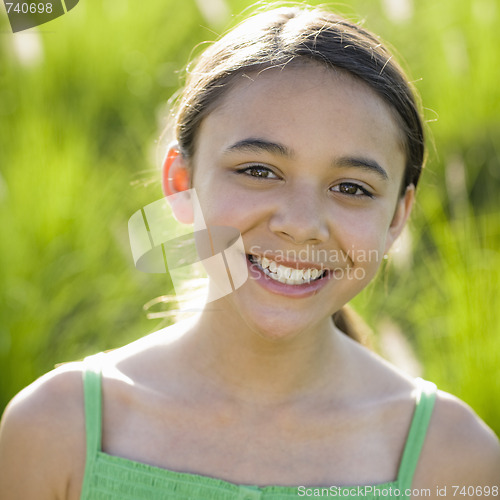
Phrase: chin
(278, 326)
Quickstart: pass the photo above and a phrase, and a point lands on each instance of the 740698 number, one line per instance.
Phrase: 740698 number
(475, 491)
(31, 8)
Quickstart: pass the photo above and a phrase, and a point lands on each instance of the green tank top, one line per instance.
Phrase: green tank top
(109, 477)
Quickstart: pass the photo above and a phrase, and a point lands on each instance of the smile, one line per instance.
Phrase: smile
(285, 274)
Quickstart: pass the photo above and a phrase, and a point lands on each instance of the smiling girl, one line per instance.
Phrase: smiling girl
(299, 130)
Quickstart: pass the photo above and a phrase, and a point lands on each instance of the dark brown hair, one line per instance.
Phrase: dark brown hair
(289, 35)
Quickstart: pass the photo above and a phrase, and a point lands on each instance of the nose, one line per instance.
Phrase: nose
(300, 216)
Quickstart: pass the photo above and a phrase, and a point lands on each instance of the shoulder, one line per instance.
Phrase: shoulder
(42, 436)
(46, 399)
(459, 449)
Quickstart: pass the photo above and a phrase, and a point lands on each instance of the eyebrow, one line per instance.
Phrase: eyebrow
(263, 145)
(256, 145)
(364, 163)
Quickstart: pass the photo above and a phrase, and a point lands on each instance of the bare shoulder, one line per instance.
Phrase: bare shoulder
(459, 449)
(42, 438)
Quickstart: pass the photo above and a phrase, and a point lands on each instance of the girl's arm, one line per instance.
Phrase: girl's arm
(42, 439)
(461, 454)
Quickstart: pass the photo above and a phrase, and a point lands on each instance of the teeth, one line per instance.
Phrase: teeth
(285, 274)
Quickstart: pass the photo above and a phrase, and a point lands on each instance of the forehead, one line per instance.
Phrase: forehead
(308, 107)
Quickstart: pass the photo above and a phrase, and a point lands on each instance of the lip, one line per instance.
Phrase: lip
(293, 291)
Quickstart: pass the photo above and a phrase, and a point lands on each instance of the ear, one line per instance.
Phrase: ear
(176, 181)
(401, 214)
(175, 172)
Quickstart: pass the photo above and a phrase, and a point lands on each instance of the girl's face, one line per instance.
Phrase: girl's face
(307, 164)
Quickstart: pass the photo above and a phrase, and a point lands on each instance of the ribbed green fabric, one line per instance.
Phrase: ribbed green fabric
(109, 477)
(425, 400)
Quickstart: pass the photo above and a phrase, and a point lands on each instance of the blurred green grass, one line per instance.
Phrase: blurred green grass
(79, 125)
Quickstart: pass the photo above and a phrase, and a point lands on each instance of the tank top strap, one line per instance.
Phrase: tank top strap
(93, 404)
(425, 398)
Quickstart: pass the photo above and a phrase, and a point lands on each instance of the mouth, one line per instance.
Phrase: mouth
(287, 275)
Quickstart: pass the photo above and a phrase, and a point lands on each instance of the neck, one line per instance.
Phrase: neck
(253, 369)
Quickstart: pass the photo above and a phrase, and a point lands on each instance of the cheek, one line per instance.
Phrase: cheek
(364, 239)
(226, 204)
(221, 207)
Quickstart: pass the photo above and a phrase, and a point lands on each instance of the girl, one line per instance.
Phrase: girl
(299, 130)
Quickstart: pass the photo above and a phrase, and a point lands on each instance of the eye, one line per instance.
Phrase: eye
(351, 189)
(258, 171)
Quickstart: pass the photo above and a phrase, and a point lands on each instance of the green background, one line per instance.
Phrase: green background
(83, 100)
